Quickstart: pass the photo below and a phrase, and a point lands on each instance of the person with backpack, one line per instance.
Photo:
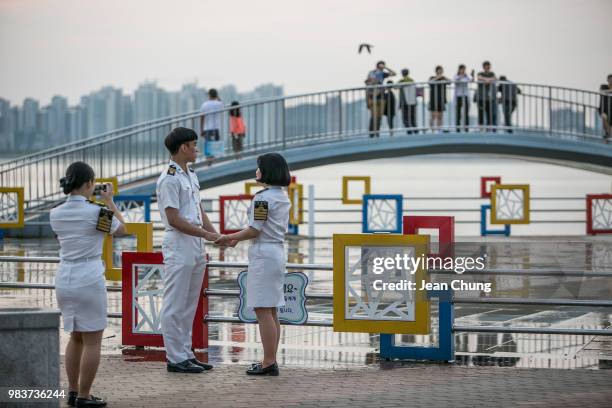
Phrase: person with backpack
(509, 94)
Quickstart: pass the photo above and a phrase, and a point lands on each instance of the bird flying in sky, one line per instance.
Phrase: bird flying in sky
(365, 46)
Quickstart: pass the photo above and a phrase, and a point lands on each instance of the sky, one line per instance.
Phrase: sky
(72, 47)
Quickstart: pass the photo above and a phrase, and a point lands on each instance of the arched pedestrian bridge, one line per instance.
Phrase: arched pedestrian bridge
(549, 124)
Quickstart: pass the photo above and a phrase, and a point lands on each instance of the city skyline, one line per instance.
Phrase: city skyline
(32, 126)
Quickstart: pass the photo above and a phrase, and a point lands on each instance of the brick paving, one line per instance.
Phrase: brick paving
(389, 384)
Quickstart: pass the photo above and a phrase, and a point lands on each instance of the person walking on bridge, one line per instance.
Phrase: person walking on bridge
(486, 96)
(210, 123)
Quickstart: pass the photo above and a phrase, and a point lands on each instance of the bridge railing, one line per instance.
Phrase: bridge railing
(137, 152)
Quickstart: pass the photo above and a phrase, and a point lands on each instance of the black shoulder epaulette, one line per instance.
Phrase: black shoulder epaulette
(261, 191)
(172, 170)
(58, 204)
(191, 169)
(97, 203)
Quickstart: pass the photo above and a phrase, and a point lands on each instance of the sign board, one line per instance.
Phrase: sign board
(294, 311)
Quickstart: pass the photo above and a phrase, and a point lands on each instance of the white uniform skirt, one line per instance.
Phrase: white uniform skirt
(266, 275)
(83, 306)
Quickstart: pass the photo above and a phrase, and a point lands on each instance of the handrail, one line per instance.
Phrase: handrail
(133, 153)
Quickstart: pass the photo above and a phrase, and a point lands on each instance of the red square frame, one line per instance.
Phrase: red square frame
(589, 212)
(222, 200)
(444, 224)
(483, 186)
(128, 338)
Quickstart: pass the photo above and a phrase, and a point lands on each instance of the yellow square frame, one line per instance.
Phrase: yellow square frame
(526, 212)
(248, 186)
(345, 185)
(144, 243)
(20, 204)
(421, 324)
(293, 187)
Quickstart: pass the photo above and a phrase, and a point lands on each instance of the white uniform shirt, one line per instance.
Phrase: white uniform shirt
(211, 120)
(274, 226)
(74, 223)
(461, 85)
(179, 190)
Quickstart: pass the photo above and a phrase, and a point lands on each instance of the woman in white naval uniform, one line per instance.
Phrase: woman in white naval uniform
(268, 222)
(80, 286)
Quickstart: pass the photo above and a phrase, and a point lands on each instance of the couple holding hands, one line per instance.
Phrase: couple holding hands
(186, 223)
(81, 226)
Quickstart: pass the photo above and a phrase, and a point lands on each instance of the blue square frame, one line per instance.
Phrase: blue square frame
(399, 212)
(293, 229)
(146, 202)
(484, 231)
(446, 344)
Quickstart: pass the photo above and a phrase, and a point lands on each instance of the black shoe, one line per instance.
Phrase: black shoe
(258, 369)
(205, 366)
(90, 402)
(183, 367)
(72, 396)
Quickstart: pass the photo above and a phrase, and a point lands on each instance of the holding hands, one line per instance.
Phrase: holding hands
(219, 239)
(226, 240)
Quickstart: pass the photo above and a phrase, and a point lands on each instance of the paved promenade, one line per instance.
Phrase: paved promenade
(147, 384)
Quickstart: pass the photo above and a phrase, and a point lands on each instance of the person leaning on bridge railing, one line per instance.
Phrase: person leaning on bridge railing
(408, 101)
(462, 97)
(80, 286)
(390, 106)
(605, 107)
(437, 97)
(509, 92)
(486, 97)
(375, 95)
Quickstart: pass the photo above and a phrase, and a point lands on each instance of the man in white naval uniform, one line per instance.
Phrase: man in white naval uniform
(186, 224)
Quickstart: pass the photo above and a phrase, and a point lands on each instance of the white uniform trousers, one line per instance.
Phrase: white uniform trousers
(184, 265)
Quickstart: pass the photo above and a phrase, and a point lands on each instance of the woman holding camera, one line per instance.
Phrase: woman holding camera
(80, 285)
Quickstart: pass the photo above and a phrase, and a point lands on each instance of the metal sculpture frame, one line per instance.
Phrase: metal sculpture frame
(345, 187)
(484, 193)
(596, 211)
(444, 224)
(420, 324)
(445, 351)
(484, 229)
(224, 215)
(9, 221)
(367, 214)
(131, 312)
(496, 203)
(144, 243)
